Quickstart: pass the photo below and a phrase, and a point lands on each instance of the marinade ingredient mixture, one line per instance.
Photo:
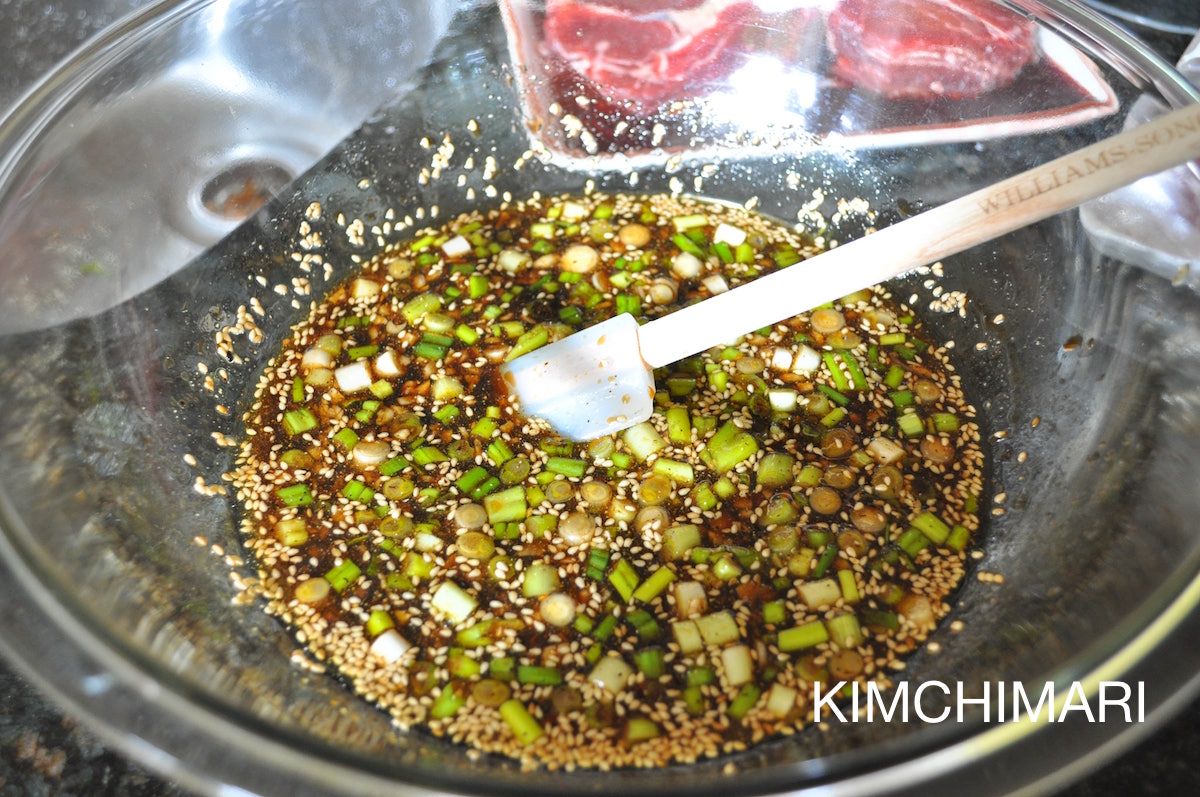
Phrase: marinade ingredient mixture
(796, 512)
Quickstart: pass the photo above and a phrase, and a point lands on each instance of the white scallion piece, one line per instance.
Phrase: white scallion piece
(719, 628)
(446, 388)
(451, 600)
(425, 542)
(727, 233)
(807, 359)
(558, 609)
(370, 452)
(885, 451)
(820, 593)
(782, 358)
(386, 365)
(390, 646)
(687, 634)
(739, 666)
(512, 260)
(456, 246)
(780, 700)
(715, 284)
(782, 399)
(691, 599)
(363, 288)
(685, 265)
(573, 211)
(316, 357)
(353, 377)
(611, 673)
(580, 259)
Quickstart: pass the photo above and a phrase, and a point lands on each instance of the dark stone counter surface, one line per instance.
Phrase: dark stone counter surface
(43, 752)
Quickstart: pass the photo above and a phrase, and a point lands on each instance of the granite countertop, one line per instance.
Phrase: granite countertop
(44, 752)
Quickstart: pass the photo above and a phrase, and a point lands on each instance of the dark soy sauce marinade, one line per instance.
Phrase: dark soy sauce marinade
(796, 512)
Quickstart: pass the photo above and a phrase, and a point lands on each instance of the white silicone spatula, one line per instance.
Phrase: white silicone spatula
(601, 380)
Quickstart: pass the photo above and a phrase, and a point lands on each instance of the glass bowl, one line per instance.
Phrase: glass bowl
(164, 177)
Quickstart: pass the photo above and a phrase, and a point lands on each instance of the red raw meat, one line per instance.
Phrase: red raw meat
(928, 48)
(649, 51)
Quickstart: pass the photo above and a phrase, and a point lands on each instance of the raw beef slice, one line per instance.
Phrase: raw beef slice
(928, 48)
(647, 51)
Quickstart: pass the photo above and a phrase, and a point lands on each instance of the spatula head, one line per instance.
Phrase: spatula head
(587, 385)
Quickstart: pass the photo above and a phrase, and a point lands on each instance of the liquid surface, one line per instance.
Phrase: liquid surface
(795, 515)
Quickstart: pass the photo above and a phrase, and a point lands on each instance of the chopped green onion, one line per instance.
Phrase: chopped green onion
(828, 556)
(786, 257)
(932, 527)
(959, 537)
(299, 421)
(428, 455)
(802, 636)
(844, 631)
(419, 306)
(597, 563)
(539, 676)
(347, 438)
(292, 532)
(485, 427)
(429, 351)
(810, 476)
(523, 725)
(679, 425)
(343, 575)
(624, 579)
(745, 700)
(913, 541)
(653, 586)
(394, 466)
(910, 424)
(703, 497)
(730, 447)
(506, 506)
(471, 479)
(571, 468)
(833, 417)
(857, 377)
(644, 624)
(774, 469)
(679, 540)
(643, 440)
(605, 629)
(849, 585)
(650, 662)
(627, 303)
(679, 472)
(944, 422)
(533, 339)
(499, 452)
(378, 622)
(295, 495)
(450, 701)
(502, 668)
(839, 379)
